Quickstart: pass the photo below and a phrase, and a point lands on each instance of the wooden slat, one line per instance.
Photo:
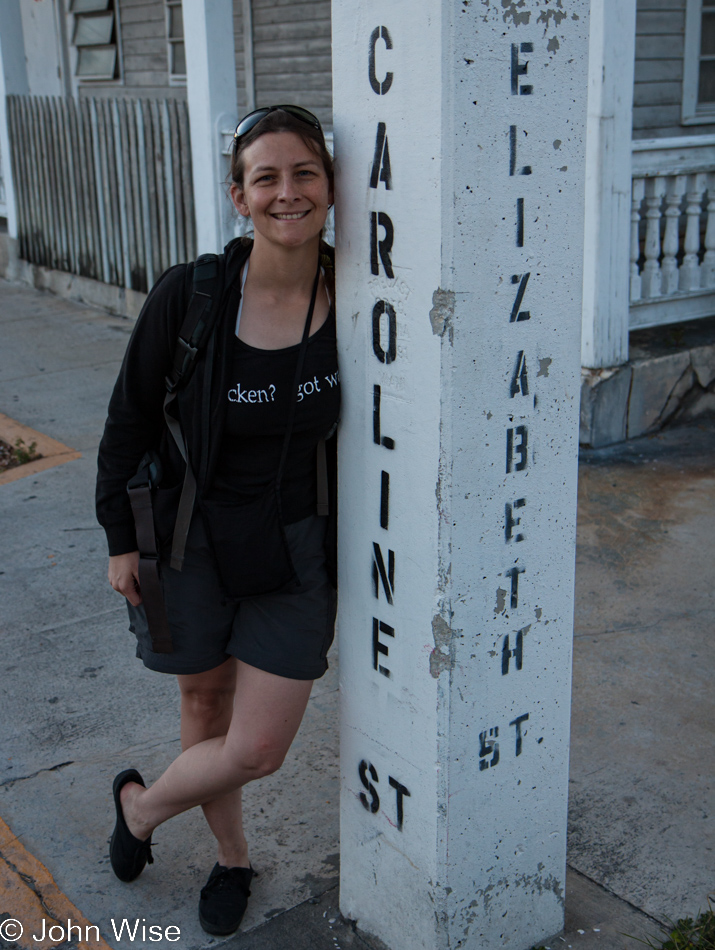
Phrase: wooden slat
(661, 5)
(657, 94)
(288, 47)
(144, 13)
(296, 13)
(671, 23)
(15, 136)
(286, 66)
(64, 201)
(186, 177)
(298, 81)
(657, 117)
(69, 160)
(276, 32)
(41, 165)
(145, 184)
(658, 47)
(89, 181)
(658, 70)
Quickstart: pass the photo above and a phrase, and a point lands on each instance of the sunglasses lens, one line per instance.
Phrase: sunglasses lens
(253, 118)
(248, 122)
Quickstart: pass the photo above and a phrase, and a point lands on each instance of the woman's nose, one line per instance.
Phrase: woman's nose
(288, 190)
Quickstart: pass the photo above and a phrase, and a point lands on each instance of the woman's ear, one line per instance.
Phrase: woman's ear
(238, 198)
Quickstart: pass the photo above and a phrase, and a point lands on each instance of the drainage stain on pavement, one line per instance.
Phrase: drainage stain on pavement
(32, 906)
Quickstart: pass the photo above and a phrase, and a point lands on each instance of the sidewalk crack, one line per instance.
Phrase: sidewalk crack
(9, 782)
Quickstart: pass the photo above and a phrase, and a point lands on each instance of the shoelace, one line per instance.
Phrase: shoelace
(222, 879)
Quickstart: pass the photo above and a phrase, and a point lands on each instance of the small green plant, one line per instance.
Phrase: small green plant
(25, 453)
(685, 934)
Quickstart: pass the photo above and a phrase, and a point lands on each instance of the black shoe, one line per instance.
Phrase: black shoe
(127, 854)
(224, 899)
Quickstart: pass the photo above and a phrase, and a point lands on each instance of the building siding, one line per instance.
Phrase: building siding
(292, 52)
(658, 90)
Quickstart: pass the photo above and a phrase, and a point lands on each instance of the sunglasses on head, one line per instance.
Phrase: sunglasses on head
(253, 118)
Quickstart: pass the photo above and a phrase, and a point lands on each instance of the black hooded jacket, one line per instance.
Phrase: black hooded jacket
(135, 422)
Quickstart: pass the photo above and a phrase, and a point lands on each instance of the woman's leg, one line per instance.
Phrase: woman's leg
(267, 712)
(206, 710)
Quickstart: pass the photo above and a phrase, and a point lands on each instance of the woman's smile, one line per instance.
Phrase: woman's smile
(294, 216)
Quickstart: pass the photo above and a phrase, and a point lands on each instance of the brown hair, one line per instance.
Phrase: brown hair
(281, 121)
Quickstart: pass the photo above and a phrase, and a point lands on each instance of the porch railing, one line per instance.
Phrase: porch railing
(103, 186)
(672, 230)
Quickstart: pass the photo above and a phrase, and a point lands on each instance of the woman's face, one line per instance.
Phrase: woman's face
(285, 189)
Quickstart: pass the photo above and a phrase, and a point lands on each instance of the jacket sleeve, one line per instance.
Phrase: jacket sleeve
(135, 420)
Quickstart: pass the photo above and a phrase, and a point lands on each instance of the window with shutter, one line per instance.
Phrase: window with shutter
(94, 37)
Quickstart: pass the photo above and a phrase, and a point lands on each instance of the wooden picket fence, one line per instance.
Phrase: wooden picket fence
(103, 186)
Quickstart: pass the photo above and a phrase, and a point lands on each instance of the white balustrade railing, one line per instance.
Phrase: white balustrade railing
(672, 230)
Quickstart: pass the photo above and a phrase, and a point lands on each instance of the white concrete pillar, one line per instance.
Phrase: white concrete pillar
(13, 81)
(609, 135)
(211, 93)
(459, 139)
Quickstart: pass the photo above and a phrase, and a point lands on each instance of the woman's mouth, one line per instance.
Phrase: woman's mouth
(295, 216)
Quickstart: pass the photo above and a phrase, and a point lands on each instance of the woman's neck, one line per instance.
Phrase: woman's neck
(283, 270)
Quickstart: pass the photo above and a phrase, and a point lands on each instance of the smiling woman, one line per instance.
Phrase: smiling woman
(244, 615)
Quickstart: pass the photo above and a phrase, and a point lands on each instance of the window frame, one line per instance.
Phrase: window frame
(177, 79)
(693, 113)
(76, 16)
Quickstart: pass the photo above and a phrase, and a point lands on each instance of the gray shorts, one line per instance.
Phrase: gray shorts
(287, 633)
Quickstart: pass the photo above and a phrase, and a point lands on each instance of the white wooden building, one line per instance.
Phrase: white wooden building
(128, 84)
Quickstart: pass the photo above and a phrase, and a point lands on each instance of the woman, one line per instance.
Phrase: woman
(262, 398)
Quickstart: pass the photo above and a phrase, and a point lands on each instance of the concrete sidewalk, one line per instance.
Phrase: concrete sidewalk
(77, 707)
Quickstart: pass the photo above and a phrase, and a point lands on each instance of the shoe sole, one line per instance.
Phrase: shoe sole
(214, 930)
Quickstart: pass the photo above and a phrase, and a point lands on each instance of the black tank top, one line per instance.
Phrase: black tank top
(257, 404)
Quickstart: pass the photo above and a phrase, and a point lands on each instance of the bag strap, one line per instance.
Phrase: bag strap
(140, 497)
(207, 287)
(201, 314)
(323, 506)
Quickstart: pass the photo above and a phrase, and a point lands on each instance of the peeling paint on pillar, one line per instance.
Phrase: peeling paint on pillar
(458, 460)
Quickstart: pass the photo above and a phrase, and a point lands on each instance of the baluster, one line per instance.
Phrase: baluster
(690, 268)
(707, 268)
(637, 198)
(675, 189)
(651, 277)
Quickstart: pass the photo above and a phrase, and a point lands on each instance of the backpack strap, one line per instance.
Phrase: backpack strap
(201, 315)
(207, 285)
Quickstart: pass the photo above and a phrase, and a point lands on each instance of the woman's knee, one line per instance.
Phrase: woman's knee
(205, 703)
(260, 758)
(209, 695)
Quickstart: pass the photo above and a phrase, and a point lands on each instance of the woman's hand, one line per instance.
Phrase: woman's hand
(124, 576)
